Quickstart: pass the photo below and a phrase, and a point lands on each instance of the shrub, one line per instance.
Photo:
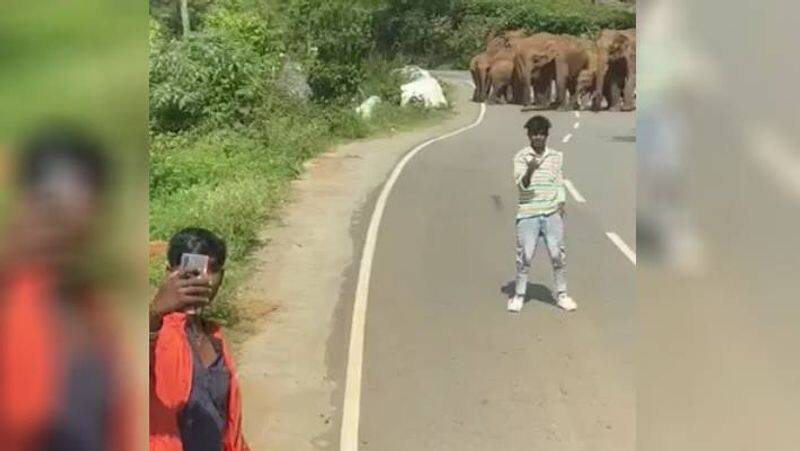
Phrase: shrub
(382, 79)
(336, 39)
(206, 77)
(217, 74)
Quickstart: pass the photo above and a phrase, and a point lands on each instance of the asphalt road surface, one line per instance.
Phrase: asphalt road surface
(445, 366)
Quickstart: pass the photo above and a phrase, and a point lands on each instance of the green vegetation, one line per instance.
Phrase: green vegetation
(83, 62)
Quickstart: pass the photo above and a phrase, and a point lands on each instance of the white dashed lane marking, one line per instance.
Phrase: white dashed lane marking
(574, 191)
(626, 250)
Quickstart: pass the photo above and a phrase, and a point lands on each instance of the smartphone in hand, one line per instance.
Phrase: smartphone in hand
(194, 265)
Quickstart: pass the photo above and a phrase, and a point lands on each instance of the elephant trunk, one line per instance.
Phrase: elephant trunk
(521, 80)
(600, 79)
(477, 82)
(630, 83)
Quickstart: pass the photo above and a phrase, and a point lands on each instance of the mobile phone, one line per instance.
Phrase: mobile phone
(196, 264)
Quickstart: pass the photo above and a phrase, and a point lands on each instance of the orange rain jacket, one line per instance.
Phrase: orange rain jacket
(171, 383)
(33, 364)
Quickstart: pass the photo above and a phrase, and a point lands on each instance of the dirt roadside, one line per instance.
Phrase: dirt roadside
(292, 367)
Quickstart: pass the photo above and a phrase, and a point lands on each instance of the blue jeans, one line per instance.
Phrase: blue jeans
(551, 228)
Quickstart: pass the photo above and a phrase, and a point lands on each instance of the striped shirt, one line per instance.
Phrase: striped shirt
(546, 191)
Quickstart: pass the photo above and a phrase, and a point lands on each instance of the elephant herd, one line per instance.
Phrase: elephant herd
(523, 69)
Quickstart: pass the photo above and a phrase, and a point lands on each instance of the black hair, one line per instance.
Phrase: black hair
(538, 125)
(56, 146)
(196, 240)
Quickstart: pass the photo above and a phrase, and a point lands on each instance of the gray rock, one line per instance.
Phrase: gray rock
(294, 81)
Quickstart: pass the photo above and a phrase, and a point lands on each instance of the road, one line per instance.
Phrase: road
(445, 367)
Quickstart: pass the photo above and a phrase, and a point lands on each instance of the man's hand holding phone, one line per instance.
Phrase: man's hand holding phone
(194, 266)
(182, 291)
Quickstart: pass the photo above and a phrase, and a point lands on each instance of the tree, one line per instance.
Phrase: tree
(185, 17)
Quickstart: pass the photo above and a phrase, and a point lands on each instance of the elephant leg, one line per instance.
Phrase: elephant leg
(561, 85)
(476, 94)
(628, 98)
(539, 95)
(597, 99)
(494, 96)
(520, 96)
(503, 94)
(542, 93)
(509, 96)
(498, 93)
(615, 101)
(572, 88)
(479, 79)
(527, 95)
(522, 85)
(490, 98)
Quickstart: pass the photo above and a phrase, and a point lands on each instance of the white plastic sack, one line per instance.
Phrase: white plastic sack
(366, 108)
(425, 90)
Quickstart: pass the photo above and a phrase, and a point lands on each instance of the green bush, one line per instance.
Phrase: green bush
(336, 38)
(207, 77)
(167, 13)
(218, 74)
(382, 79)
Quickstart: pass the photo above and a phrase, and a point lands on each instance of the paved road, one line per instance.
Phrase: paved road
(445, 366)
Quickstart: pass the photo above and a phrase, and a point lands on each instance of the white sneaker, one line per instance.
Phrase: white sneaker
(566, 302)
(515, 304)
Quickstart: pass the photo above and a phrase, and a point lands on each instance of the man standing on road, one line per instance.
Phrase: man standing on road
(537, 173)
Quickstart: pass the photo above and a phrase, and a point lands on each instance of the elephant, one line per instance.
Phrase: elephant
(500, 78)
(481, 63)
(479, 68)
(565, 55)
(616, 69)
(526, 76)
(584, 91)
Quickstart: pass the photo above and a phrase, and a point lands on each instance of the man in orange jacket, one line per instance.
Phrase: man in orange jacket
(60, 382)
(195, 400)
